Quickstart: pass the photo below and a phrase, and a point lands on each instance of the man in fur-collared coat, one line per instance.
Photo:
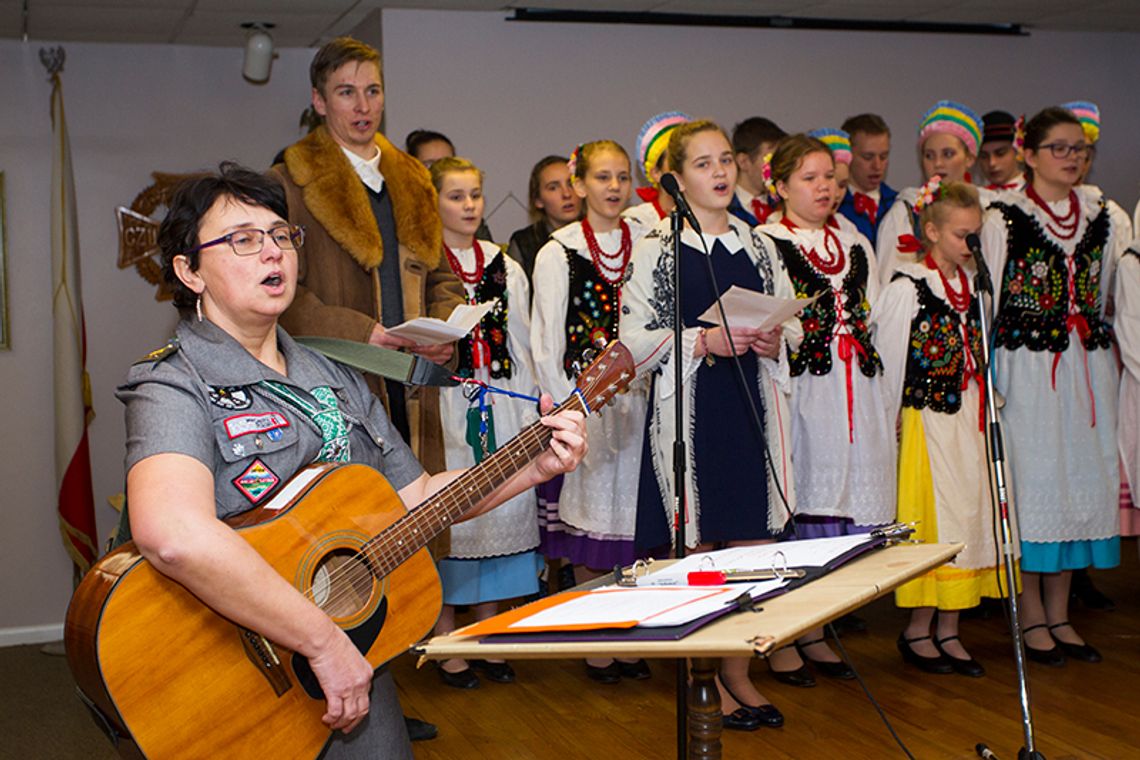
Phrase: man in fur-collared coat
(372, 256)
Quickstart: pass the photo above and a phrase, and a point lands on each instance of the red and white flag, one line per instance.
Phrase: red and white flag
(73, 410)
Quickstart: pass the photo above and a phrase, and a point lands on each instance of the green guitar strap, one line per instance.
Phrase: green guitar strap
(393, 365)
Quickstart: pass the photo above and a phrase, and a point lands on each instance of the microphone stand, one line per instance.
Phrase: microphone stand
(999, 498)
(680, 459)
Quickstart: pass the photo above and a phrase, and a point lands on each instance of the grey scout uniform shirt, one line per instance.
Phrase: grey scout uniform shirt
(199, 397)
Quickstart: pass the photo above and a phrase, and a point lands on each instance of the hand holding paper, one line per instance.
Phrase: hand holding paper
(429, 331)
(751, 309)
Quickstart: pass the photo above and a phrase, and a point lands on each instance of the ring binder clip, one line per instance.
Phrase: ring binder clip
(627, 576)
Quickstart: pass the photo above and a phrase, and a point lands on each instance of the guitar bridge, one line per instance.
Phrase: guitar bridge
(261, 653)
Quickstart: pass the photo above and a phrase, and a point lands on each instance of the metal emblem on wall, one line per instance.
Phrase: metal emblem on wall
(138, 231)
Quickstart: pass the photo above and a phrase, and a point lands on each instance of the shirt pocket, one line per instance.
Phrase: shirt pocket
(252, 432)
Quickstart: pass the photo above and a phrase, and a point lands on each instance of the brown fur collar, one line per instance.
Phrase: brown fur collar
(338, 200)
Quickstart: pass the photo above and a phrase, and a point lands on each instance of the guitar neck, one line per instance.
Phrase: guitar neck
(413, 531)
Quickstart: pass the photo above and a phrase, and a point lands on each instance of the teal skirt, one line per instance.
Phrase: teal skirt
(1057, 556)
(474, 581)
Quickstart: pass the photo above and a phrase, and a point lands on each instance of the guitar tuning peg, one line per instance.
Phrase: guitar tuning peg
(588, 356)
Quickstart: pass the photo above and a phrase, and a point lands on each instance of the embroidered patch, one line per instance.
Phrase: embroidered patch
(234, 397)
(256, 481)
(244, 424)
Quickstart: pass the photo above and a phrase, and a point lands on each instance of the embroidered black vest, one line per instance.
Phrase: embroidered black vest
(936, 358)
(819, 319)
(591, 310)
(1034, 302)
(493, 326)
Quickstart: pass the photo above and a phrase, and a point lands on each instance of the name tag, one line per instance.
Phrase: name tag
(244, 424)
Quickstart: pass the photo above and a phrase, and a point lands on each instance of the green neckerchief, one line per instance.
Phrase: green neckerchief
(335, 445)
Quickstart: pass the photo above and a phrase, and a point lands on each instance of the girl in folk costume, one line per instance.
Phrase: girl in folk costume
(577, 308)
(1127, 327)
(926, 328)
(839, 142)
(493, 556)
(1052, 250)
(652, 159)
(948, 140)
(843, 441)
(738, 487)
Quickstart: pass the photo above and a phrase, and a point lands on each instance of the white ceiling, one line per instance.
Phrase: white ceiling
(301, 23)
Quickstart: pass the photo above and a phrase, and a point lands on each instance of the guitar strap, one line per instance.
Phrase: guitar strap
(408, 369)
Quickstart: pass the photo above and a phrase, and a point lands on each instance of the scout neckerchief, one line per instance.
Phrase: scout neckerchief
(325, 414)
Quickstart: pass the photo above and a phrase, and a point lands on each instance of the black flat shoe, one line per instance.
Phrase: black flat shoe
(609, 674)
(740, 720)
(840, 670)
(464, 679)
(939, 665)
(1082, 652)
(499, 672)
(765, 715)
(801, 677)
(420, 730)
(635, 671)
(1053, 657)
(970, 667)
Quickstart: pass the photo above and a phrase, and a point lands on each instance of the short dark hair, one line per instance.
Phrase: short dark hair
(419, 137)
(335, 54)
(1037, 129)
(750, 134)
(195, 196)
(867, 123)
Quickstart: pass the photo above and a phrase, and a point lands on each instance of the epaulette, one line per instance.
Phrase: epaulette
(159, 354)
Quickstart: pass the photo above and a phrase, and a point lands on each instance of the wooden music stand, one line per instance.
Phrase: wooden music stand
(745, 634)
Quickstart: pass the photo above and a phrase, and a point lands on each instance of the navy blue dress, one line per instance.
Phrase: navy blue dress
(731, 471)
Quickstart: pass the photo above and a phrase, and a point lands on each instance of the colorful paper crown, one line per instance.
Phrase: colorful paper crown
(653, 139)
(837, 140)
(1089, 116)
(955, 119)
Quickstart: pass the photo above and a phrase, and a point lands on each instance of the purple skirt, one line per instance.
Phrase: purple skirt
(557, 540)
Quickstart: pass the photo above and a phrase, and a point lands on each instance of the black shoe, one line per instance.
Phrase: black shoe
(801, 677)
(609, 674)
(499, 672)
(464, 679)
(849, 623)
(1053, 657)
(765, 715)
(970, 667)
(1089, 595)
(741, 720)
(939, 665)
(420, 730)
(840, 670)
(1082, 652)
(635, 671)
(566, 577)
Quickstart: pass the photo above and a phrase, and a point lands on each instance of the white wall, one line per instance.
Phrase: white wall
(131, 110)
(508, 93)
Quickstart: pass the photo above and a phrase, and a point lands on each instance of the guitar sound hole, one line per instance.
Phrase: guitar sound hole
(342, 583)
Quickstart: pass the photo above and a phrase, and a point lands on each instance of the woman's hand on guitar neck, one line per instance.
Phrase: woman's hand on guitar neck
(567, 445)
(346, 679)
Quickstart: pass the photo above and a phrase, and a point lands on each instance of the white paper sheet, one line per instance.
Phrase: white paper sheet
(814, 552)
(429, 331)
(749, 308)
(651, 607)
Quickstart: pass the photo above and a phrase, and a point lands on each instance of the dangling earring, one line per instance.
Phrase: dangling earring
(198, 308)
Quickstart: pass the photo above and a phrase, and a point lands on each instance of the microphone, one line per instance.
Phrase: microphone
(669, 185)
(982, 281)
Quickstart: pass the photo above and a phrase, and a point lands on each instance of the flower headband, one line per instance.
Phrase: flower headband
(1019, 138)
(766, 174)
(572, 162)
(928, 194)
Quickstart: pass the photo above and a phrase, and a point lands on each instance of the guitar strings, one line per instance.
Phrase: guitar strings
(386, 559)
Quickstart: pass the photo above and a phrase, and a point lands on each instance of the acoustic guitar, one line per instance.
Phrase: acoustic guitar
(167, 677)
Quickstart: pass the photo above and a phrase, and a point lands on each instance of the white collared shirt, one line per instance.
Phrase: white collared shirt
(367, 169)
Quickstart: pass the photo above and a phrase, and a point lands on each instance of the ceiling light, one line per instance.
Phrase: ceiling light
(258, 51)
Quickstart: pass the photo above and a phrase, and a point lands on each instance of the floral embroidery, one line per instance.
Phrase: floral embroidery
(591, 311)
(935, 362)
(493, 327)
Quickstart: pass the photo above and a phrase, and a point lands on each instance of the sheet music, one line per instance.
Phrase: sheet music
(814, 552)
(614, 607)
(429, 331)
(750, 308)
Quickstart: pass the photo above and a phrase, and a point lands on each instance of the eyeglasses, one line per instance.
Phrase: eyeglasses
(247, 242)
(1064, 150)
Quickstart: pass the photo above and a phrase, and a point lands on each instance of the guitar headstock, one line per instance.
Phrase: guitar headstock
(607, 375)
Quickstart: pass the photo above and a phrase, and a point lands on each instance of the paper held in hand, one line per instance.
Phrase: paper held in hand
(749, 308)
(429, 331)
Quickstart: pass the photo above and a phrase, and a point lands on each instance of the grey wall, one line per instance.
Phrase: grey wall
(507, 93)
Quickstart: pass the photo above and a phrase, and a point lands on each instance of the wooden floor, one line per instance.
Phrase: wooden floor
(554, 711)
(1080, 710)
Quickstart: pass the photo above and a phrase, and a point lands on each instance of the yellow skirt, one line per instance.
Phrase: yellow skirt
(946, 587)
